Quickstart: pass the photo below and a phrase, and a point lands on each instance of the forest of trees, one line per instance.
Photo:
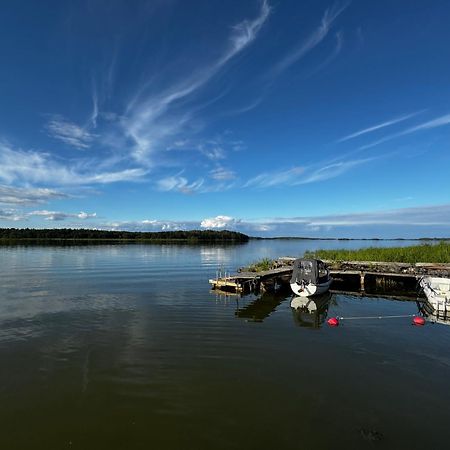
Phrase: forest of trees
(83, 234)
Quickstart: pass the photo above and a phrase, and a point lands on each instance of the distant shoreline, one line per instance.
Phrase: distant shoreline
(190, 236)
(71, 235)
(351, 239)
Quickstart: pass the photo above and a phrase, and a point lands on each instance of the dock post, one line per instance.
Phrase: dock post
(362, 276)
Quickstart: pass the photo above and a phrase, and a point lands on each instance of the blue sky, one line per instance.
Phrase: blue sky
(312, 118)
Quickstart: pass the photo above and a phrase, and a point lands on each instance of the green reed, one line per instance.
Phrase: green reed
(425, 253)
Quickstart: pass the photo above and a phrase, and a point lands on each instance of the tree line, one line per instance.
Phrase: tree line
(73, 234)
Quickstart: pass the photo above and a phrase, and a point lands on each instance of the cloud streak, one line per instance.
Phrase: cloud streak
(304, 175)
(379, 126)
(41, 168)
(180, 184)
(222, 174)
(315, 38)
(28, 196)
(147, 123)
(70, 133)
(434, 123)
(60, 216)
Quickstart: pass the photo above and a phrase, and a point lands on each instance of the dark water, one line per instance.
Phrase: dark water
(123, 347)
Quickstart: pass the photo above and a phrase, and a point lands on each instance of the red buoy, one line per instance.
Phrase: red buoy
(333, 322)
(417, 320)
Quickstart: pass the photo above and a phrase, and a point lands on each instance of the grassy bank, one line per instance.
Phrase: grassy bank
(426, 253)
(260, 266)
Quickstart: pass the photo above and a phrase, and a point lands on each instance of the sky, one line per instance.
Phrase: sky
(273, 118)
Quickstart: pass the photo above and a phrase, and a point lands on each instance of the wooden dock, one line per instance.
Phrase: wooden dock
(351, 276)
(245, 282)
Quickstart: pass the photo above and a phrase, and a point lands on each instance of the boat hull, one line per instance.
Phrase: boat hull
(437, 290)
(308, 290)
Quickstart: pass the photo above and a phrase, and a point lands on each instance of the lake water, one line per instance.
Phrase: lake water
(124, 347)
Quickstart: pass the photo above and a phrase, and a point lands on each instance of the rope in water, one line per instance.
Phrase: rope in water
(377, 317)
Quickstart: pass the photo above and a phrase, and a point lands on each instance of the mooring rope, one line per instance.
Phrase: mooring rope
(376, 317)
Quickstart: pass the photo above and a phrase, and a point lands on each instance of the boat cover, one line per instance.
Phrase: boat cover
(309, 271)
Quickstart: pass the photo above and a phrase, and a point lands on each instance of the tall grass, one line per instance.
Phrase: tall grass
(426, 253)
(260, 266)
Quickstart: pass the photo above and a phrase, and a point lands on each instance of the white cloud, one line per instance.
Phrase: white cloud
(95, 112)
(437, 122)
(379, 126)
(59, 216)
(179, 183)
(331, 170)
(10, 214)
(213, 153)
(304, 175)
(222, 174)
(219, 222)
(246, 31)
(82, 215)
(275, 178)
(26, 196)
(149, 225)
(35, 167)
(70, 133)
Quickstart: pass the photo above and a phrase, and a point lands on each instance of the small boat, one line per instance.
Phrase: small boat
(310, 277)
(437, 292)
(432, 314)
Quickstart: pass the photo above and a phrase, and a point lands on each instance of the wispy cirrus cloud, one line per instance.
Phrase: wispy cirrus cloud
(18, 165)
(95, 111)
(275, 178)
(180, 184)
(298, 53)
(70, 133)
(434, 123)
(28, 196)
(150, 119)
(314, 39)
(213, 153)
(304, 175)
(219, 179)
(213, 149)
(222, 174)
(379, 126)
(339, 43)
(333, 170)
(158, 117)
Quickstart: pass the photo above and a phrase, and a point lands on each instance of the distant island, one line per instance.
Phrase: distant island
(66, 234)
(74, 234)
(304, 238)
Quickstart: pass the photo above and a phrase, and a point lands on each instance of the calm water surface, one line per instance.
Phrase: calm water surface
(124, 346)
